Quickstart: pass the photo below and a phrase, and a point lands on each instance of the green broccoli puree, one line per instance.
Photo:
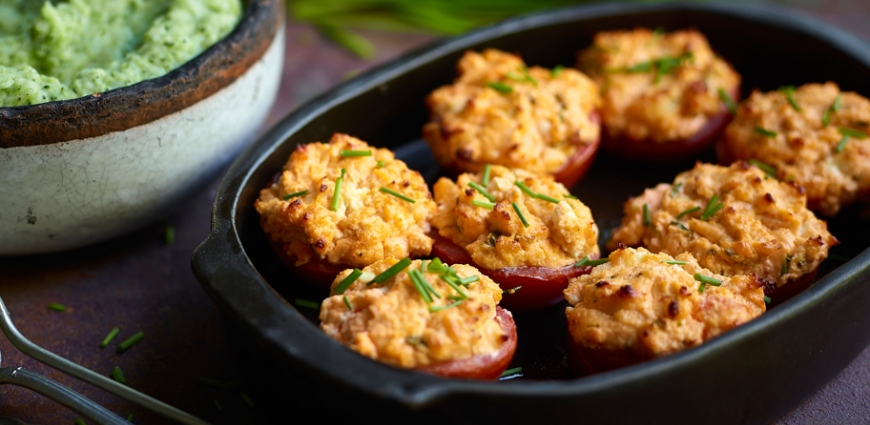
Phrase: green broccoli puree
(58, 50)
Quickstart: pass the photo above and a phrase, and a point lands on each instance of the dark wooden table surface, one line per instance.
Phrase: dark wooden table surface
(138, 282)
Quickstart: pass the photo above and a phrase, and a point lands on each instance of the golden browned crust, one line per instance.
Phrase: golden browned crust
(391, 322)
(804, 149)
(639, 304)
(559, 234)
(541, 122)
(644, 100)
(368, 225)
(763, 226)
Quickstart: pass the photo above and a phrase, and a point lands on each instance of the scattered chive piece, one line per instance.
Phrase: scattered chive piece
(826, 117)
(347, 281)
(766, 299)
(482, 191)
(218, 405)
(80, 421)
(591, 263)
(525, 78)
(381, 164)
(469, 279)
(687, 212)
(785, 265)
(418, 285)
(677, 262)
(520, 213)
(712, 208)
(112, 334)
(455, 287)
(646, 216)
(168, 234)
(337, 191)
(512, 290)
(852, 133)
(788, 91)
(352, 153)
(396, 194)
(569, 196)
(842, 144)
(764, 132)
(247, 399)
(306, 304)
(118, 375)
(129, 342)
(347, 303)
(768, 169)
(485, 179)
(640, 67)
(483, 204)
(533, 194)
(130, 418)
(500, 87)
(513, 371)
(543, 197)
(676, 189)
(392, 271)
(706, 280)
(434, 308)
(658, 32)
(426, 285)
(295, 194)
(56, 307)
(680, 225)
(729, 103)
(557, 70)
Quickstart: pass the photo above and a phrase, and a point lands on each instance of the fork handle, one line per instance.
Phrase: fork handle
(61, 394)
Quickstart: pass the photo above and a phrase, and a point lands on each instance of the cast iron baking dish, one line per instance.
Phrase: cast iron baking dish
(752, 374)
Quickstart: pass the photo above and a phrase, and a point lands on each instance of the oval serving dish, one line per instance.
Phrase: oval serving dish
(752, 374)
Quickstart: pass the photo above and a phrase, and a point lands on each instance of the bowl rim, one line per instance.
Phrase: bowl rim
(149, 100)
(228, 274)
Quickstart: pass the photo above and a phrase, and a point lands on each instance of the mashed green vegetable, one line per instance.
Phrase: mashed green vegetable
(57, 50)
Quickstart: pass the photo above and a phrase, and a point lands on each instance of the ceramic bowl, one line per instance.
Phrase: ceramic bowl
(76, 172)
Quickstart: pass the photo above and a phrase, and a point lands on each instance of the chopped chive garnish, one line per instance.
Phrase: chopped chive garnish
(295, 194)
(533, 194)
(112, 334)
(712, 208)
(306, 304)
(455, 287)
(118, 375)
(168, 234)
(524, 78)
(647, 220)
(569, 196)
(80, 421)
(826, 117)
(434, 308)
(56, 307)
(483, 204)
(129, 342)
(676, 262)
(768, 169)
(218, 405)
(347, 281)
(766, 299)
(416, 279)
(728, 101)
(396, 194)
(337, 191)
(557, 70)
(640, 67)
(347, 302)
(852, 133)
(520, 213)
(352, 153)
(500, 87)
(485, 179)
(482, 191)
(130, 418)
(687, 212)
(706, 280)
(513, 371)
(512, 290)
(247, 399)
(764, 132)
(680, 225)
(469, 279)
(426, 284)
(676, 189)
(392, 271)
(436, 266)
(785, 265)
(543, 197)
(381, 164)
(842, 144)
(590, 263)
(788, 91)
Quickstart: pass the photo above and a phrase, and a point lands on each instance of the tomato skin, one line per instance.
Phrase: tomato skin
(318, 272)
(588, 361)
(541, 286)
(780, 294)
(482, 366)
(671, 151)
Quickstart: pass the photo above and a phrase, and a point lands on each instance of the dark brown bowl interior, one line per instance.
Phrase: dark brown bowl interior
(149, 100)
(753, 374)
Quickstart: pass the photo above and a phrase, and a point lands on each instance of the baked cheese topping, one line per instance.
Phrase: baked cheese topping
(831, 161)
(657, 86)
(391, 322)
(492, 231)
(500, 112)
(734, 220)
(640, 303)
(367, 224)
